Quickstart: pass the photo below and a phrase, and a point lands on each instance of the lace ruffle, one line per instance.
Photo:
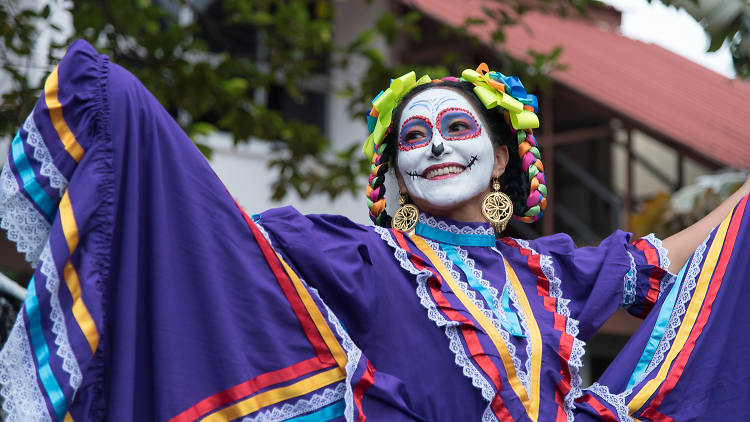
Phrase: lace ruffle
(616, 400)
(353, 355)
(22, 399)
(42, 155)
(660, 249)
(24, 225)
(287, 411)
(59, 328)
(629, 289)
(442, 225)
(664, 262)
(455, 344)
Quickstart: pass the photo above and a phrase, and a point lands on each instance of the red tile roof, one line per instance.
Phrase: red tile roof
(662, 93)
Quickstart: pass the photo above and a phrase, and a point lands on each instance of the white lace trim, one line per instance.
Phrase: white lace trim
(571, 328)
(523, 375)
(451, 331)
(442, 225)
(616, 400)
(59, 328)
(489, 414)
(22, 399)
(675, 319)
(660, 249)
(42, 155)
(664, 262)
(25, 226)
(288, 410)
(629, 289)
(353, 353)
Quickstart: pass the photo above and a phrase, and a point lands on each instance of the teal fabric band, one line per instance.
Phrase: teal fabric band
(509, 320)
(28, 178)
(336, 410)
(514, 327)
(457, 239)
(42, 352)
(658, 332)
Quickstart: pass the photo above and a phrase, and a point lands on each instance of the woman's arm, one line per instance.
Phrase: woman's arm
(682, 244)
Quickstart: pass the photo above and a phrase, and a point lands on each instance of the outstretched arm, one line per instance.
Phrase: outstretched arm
(682, 244)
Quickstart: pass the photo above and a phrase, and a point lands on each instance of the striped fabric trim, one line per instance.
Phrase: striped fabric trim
(244, 398)
(560, 323)
(277, 395)
(28, 179)
(466, 327)
(697, 313)
(531, 399)
(56, 116)
(367, 380)
(80, 311)
(657, 273)
(696, 316)
(42, 353)
(603, 411)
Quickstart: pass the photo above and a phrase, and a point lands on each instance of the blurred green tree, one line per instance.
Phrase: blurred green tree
(723, 21)
(219, 65)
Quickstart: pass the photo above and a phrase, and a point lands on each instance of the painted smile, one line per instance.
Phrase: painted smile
(443, 170)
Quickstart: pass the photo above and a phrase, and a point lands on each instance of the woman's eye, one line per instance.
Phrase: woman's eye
(458, 126)
(414, 135)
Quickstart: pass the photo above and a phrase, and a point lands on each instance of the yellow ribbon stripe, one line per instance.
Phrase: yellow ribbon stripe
(69, 226)
(531, 404)
(80, 312)
(688, 321)
(267, 398)
(536, 354)
(56, 115)
(320, 322)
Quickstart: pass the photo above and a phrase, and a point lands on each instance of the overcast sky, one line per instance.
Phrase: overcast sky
(672, 29)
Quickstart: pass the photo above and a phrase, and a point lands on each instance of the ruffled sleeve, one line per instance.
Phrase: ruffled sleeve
(620, 271)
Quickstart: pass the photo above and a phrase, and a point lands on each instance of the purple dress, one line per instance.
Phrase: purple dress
(156, 297)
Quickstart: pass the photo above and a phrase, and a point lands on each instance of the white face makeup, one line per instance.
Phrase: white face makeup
(445, 154)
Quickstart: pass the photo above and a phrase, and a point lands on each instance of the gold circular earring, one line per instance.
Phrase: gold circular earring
(497, 207)
(406, 217)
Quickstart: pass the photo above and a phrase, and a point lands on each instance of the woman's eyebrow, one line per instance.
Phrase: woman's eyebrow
(423, 103)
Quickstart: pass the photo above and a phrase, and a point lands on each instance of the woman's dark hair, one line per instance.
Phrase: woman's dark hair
(514, 180)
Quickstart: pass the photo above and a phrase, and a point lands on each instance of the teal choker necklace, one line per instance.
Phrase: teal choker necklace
(456, 239)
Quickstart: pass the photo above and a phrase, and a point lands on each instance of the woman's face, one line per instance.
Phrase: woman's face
(445, 155)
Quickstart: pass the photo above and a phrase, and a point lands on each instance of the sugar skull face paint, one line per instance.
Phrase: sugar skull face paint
(444, 158)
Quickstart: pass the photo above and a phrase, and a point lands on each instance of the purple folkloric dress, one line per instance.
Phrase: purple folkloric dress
(156, 298)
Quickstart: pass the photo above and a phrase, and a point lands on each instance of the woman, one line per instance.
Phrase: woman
(156, 297)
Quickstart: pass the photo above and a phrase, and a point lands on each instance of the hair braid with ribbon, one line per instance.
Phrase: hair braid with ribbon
(376, 185)
(523, 179)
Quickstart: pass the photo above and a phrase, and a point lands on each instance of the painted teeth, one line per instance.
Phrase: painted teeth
(443, 171)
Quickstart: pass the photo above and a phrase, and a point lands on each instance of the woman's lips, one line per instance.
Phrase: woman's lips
(443, 171)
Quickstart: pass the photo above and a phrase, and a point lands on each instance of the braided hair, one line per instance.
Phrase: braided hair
(523, 179)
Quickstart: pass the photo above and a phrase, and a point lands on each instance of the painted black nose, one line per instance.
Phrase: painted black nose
(437, 149)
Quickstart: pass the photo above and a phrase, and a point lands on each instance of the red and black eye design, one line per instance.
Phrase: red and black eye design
(455, 124)
(416, 132)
